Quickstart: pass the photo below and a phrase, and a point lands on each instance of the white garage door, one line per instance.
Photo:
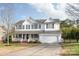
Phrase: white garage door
(48, 38)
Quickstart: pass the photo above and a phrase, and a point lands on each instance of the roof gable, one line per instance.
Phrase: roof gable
(51, 20)
(40, 20)
(20, 22)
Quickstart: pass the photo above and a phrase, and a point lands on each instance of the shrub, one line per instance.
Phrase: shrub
(10, 39)
(36, 41)
(70, 33)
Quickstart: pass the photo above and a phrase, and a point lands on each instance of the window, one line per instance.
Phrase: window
(23, 36)
(34, 35)
(50, 25)
(39, 26)
(19, 27)
(27, 26)
(34, 26)
(20, 35)
(46, 25)
(23, 27)
(53, 25)
(16, 35)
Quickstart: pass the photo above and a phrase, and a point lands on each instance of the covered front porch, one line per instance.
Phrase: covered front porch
(25, 37)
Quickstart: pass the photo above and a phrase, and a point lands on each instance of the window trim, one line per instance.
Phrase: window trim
(34, 26)
(23, 27)
(49, 25)
(27, 26)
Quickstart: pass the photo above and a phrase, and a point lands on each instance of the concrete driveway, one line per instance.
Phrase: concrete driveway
(40, 50)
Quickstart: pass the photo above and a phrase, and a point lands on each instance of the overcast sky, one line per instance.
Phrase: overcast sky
(39, 10)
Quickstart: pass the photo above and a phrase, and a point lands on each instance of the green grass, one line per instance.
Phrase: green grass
(19, 45)
(15, 47)
(71, 48)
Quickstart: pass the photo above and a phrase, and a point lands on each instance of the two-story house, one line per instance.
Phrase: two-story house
(44, 30)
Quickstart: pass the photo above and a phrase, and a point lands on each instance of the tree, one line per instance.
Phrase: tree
(72, 10)
(66, 23)
(7, 18)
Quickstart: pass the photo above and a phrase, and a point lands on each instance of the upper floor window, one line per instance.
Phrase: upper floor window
(39, 26)
(27, 26)
(18, 27)
(23, 27)
(46, 25)
(50, 25)
(34, 26)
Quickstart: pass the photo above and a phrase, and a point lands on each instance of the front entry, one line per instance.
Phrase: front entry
(25, 37)
(30, 37)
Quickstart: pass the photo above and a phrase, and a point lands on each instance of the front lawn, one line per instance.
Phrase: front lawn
(70, 49)
(15, 47)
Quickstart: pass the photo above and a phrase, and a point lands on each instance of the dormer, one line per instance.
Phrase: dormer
(52, 23)
(49, 20)
(29, 20)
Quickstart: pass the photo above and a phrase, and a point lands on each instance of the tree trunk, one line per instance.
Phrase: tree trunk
(70, 40)
(8, 43)
(77, 40)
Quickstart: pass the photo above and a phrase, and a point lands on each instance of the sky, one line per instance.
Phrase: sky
(38, 10)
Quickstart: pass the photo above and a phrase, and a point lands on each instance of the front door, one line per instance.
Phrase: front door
(23, 36)
(27, 36)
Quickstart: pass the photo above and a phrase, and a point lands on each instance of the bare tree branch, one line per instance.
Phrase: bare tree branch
(72, 10)
(7, 18)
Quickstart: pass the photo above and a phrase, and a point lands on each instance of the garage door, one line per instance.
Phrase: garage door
(48, 38)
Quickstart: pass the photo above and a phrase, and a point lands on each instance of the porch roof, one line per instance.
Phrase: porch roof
(37, 32)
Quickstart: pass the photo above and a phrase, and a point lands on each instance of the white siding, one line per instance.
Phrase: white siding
(57, 26)
(26, 22)
(47, 37)
(43, 27)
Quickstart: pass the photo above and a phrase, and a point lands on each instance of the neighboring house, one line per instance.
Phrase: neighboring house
(43, 30)
(77, 22)
(2, 34)
(68, 21)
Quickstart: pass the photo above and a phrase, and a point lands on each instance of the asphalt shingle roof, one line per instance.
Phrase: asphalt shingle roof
(38, 21)
(20, 22)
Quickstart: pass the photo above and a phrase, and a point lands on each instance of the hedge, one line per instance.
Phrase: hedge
(70, 33)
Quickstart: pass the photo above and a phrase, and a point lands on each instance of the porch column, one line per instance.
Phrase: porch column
(13, 36)
(22, 38)
(25, 37)
(30, 26)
